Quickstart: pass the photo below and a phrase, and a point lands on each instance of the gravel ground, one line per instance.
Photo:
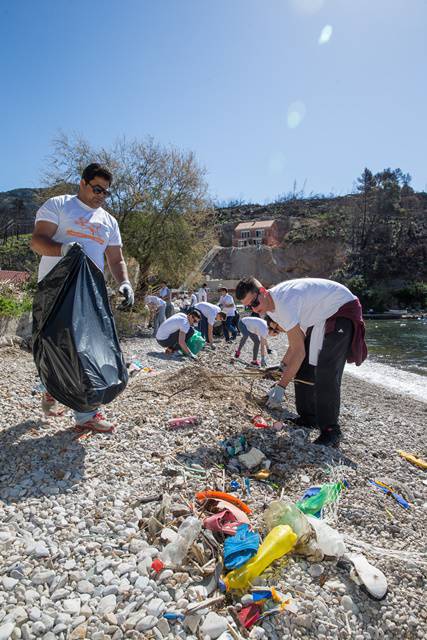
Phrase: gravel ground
(77, 536)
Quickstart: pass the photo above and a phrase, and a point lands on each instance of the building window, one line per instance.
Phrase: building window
(245, 234)
(259, 233)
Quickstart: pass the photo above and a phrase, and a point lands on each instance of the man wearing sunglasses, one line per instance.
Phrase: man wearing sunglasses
(324, 325)
(65, 220)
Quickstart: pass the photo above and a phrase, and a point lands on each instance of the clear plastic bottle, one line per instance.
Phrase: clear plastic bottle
(278, 542)
(328, 493)
(286, 512)
(175, 552)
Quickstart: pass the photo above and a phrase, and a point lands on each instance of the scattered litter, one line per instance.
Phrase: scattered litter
(330, 542)
(326, 494)
(171, 615)
(221, 495)
(234, 485)
(372, 578)
(239, 548)
(174, 552)
(418, 462)
(263, 474)
(252, 458)
(377, 484)
(259, 422)
(234, 446)
(249, 615)
(279, 541)
(176, 423)
(157, 565)
(247, 486)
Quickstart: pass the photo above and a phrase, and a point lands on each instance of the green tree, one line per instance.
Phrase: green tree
(158, 195)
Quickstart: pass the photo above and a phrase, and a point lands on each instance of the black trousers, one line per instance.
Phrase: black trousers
(173, 340)
(203, 326)
(319, 405)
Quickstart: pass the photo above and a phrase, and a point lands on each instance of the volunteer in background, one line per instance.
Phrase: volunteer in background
(202, 294)
(226, 302)
(63, 221)
(166, 295)
(158, 307)
(209, 314)
(257, 330)
(324, 324)
(174, 331)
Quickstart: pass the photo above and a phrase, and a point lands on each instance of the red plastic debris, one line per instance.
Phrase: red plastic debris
(157, 565)
(249, 615)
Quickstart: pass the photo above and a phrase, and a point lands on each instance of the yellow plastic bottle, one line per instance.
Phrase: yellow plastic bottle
(278, 542)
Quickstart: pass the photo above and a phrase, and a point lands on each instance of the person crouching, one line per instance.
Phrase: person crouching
(176, 330)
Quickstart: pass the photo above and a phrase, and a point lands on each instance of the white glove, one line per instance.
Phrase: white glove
(275, 397)
(127, 292)
(192, 355)
(263, 362)
(213, 347)
(65, 248)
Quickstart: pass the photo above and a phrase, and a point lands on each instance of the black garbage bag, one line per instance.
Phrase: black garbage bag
(75, 344)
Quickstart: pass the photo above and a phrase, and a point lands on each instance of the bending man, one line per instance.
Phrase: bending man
(324, 325)
(209, 314)
(257, 330)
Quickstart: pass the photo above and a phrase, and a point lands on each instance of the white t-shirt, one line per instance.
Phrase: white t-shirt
(155, 301)
(228, 299)
(256, 325)
(177, 322)
(193, 300)
(94, 229)
(165, 292)
(202, 296)
(307, 301)
(209, 310)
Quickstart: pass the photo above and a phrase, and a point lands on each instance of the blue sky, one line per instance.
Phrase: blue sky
(265, 92)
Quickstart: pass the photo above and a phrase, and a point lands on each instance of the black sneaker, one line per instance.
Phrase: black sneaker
(329, 437)
(302, 422)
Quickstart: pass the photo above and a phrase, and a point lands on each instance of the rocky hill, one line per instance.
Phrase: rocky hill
(380, 239)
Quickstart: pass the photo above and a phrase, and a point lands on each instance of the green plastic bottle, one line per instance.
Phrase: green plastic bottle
(278, 542)
(328, 493)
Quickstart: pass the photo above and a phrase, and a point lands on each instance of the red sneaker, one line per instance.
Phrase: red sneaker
(254, 363)
(50, 406)
(237, 354)
(98, 423)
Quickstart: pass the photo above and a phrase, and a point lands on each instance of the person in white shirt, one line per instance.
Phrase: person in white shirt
(176, 330)
(257, 330)
(209, 314)
(202, 294)
(324, 325)
(194, 299)
(158, 307)
(63, 221)
(166, 295)
(226, 302)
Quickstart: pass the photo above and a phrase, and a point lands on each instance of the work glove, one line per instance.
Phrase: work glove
(65, 248)
(127, 292)
(263, 362)
(213, 347)
(269, 351)
(275, 397)
(192, 355)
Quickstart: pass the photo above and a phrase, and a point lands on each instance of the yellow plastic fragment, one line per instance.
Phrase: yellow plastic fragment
(418, 462)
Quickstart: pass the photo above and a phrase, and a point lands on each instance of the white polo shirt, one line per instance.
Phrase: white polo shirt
(177, 322)
(209, 310)
(258, 326)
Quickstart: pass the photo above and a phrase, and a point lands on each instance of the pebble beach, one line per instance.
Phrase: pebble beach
(83, 517)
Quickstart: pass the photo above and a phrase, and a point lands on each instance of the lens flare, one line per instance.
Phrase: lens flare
(296, 114)
(307, 7)
(326, 34)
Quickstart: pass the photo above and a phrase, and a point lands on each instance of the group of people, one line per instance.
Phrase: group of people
(321, 318)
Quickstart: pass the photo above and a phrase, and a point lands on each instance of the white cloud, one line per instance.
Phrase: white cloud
(326, 34)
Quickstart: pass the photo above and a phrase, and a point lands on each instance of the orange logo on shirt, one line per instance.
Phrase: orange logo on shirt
(92, 227)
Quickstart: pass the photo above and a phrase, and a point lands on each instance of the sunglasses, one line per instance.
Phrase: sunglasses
(98, 190)
(255, 302)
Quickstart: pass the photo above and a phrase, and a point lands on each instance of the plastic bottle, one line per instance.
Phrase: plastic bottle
(285, 512)
(278, 542)
(328, 493)
(175, 552)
